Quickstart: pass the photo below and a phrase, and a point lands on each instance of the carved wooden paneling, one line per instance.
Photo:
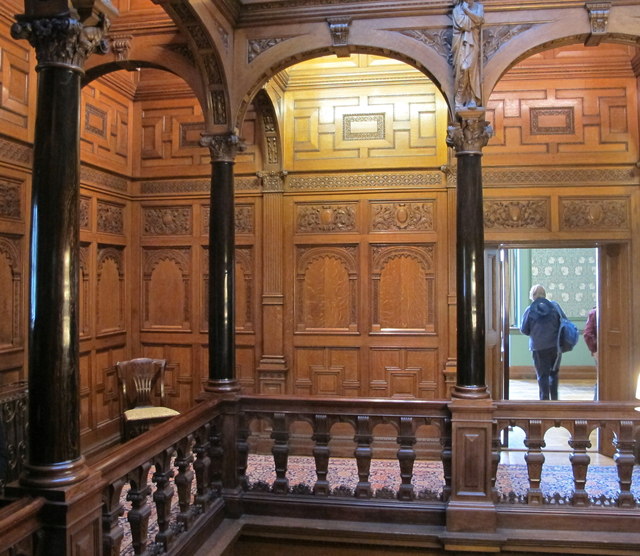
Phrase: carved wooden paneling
(163, 221)
(245, 290)
(105, 127)
(403, 373)
(326, 289)
(11, 300)
(511, 214)
(111, 218)
(406, 216)
(17, 85)
(403, 288)
(326, 218)
(84, 213)
(245, 368)
(106, 404)
(86, 399)
(327, 371)
(595, 214)
(244, 219)
(167, 288)
(356, 127)
(84, 292)
(11, 199)
(563, 122)
(111, 294)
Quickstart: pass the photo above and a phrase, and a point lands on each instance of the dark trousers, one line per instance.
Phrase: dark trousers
(547, 363)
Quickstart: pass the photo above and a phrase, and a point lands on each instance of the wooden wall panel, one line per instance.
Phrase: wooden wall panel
(11, 297)
(106, 118)
(111, 295)
(556, 121)
(327, 371)
(180, 388)
(404, 373)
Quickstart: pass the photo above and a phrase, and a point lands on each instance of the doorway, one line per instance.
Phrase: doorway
(570, 276)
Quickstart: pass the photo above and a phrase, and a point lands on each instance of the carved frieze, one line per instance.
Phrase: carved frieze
(164, 221)
(176, 186)
(84, 213)
(15, 153)
(102, 179)
(509, 214)
(110, 218)
(10, 199)
(594, 214)
(246, 183)
(557, 176)
(406, 216)
(364, 181)
(326, 218)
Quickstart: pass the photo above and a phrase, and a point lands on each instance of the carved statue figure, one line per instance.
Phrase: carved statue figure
(468, 16)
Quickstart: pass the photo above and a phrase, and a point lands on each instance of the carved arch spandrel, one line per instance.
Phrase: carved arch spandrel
(167, 274)
(326, 296)
(403, 289)
(11, 300)
(110, 295)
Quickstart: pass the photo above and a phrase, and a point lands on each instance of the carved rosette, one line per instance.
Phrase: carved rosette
(62, 41)
(470, 133)
(516, 214)
(223, 147)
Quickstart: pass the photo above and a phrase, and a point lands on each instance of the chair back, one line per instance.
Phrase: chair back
(138, 378)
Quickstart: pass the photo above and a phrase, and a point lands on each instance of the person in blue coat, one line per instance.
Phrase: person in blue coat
(541, 322)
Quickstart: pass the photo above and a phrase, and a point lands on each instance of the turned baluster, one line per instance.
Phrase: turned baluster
(163, 496)
(216, 453)
(580, 462)
(138, 515)
(184, 481)
(535, 460)
(625, 459)
(202, 468)
(280, 451)
(363, 454)
(321, 454)
(446, 457)
(406, 457)
(112, 509)
(242, 447)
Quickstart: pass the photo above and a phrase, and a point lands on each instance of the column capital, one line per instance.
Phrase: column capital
(223, 147)
(470, 133)
(63, 40)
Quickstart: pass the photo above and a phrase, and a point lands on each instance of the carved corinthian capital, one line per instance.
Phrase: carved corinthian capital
(470, 133)
(223, 147)
(63, 40)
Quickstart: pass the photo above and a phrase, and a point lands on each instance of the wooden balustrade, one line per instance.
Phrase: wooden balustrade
(199, 463)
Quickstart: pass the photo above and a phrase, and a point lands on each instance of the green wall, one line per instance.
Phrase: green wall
(570, 278)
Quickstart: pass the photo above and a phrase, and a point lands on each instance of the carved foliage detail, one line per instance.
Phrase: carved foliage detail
(326, 218)
(244, 219)
(10, 296)
(581, 214)
(167, 221)
(110, 218)
(10, 199)
(84, 214)
(516, 213)
(407, 216)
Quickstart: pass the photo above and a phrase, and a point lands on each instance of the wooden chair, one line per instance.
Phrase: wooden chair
(138, 379)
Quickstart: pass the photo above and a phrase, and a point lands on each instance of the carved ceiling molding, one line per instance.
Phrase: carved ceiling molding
(363, 181)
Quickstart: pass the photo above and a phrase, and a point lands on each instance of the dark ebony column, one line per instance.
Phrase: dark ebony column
(468, 136)
(223, 150)
(62, 44)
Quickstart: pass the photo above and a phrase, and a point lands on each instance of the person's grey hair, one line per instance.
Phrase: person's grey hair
(536, 292)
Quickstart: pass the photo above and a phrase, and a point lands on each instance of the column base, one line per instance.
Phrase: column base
(55, 475)
(470, 392)
(222, 386)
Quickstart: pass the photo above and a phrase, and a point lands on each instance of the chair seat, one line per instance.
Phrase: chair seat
(149, 412)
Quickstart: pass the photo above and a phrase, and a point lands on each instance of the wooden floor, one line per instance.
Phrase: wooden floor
(557, 449)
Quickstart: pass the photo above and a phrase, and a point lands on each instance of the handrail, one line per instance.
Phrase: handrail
(19, 524)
